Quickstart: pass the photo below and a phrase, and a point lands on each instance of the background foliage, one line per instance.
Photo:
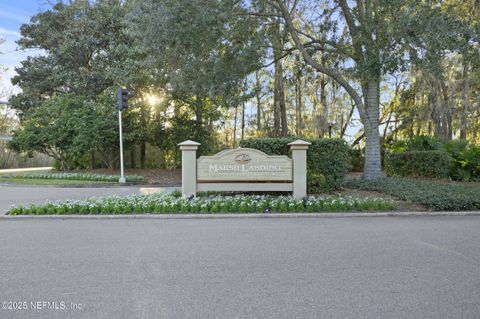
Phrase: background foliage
(327, 159)
(433, 157)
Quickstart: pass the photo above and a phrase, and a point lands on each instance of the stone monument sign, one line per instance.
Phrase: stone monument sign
(244, 169)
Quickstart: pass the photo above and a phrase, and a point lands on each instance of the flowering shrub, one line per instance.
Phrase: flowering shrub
(82, 177)
(173, 203)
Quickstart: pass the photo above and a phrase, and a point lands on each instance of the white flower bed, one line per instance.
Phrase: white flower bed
(173, 203)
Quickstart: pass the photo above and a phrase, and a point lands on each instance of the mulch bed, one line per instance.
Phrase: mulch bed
(399, 204)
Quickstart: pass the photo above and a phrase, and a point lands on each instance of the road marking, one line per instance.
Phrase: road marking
(445, 250)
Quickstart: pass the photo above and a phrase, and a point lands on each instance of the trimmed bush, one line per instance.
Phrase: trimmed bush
(327, 159)
(357, 160)
(172, 203)
(435, 195)
(464, 157)
(418, 163)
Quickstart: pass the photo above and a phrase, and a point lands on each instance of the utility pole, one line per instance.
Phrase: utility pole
(122, 105)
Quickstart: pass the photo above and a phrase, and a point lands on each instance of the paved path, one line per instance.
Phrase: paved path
(22, 195)
(420, 267)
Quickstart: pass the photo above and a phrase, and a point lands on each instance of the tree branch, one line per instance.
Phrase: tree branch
(334, 74)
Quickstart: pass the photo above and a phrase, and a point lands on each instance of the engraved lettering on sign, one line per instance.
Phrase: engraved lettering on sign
(244, 164)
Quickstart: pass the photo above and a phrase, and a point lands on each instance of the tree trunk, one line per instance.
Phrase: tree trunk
(447, 112)
(198, 119)
(298, 105)
(323, 118)
(373, 167)
(133, 163)
(276, 107)
(280, 110)
(235, 127)
(92, 159)
(143, 150)
(259, 101)
(243, 120)
(465, 104)
(347, 121)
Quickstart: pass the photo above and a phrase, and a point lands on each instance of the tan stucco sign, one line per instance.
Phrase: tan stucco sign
(244, 170)
(244, 164)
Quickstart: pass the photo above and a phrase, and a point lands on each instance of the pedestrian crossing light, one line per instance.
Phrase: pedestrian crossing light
(122, 99)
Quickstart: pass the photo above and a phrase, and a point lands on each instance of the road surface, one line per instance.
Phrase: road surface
(408, 267)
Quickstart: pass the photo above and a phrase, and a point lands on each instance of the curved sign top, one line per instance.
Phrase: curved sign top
(244, 164)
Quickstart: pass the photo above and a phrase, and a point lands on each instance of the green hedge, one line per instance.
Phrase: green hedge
(327, 159)
(464, 161)
(435, 195)
(418, 163)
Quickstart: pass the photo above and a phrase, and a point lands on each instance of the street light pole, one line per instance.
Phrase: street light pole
(122, 105)
(121, 180)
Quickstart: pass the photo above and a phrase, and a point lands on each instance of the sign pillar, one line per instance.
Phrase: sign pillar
(189, 167)
(299, 157)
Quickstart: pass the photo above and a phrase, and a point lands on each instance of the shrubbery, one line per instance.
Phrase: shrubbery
(327, 159)
(172, 203)
(357, 159)
(418, 163)
(427, 156)
(435, 195)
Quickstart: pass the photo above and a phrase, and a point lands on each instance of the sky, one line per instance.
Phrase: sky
(13, 13)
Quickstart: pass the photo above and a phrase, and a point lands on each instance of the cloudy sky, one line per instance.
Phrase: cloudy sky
(13, 13)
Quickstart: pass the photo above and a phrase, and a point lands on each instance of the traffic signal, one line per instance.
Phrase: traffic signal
(122, 99)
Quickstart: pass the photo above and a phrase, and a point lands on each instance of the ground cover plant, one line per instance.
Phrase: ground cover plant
(79, 177)
(173, 203)
(434, 194)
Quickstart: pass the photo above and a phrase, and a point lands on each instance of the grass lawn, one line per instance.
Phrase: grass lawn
(49, 182)
(441, 195)
(64, 178)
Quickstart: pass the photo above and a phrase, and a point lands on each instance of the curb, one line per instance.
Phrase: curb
(239, 216)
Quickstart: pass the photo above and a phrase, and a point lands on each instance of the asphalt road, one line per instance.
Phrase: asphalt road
(24, 195)
(409, 267)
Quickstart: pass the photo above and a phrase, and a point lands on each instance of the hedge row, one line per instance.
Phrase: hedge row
(418, 163)
(427, 156)
(327, 159)
(435, 195)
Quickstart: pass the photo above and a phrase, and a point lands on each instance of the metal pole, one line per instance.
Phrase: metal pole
(121, 180)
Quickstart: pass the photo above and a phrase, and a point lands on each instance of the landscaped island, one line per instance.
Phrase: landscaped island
(173, 203)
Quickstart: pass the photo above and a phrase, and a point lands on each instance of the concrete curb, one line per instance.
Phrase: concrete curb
(244, 215)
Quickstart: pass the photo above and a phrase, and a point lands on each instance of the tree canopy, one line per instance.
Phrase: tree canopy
(219, 71)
